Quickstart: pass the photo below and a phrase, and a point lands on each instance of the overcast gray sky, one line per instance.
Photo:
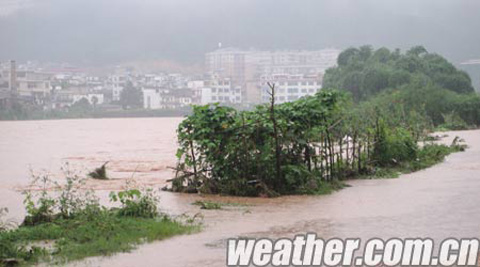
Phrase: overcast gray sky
(111, 31)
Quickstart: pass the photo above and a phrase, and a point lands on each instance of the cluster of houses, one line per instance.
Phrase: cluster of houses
(232, 77)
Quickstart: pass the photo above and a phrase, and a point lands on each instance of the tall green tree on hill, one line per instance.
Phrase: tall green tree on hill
(131, 97)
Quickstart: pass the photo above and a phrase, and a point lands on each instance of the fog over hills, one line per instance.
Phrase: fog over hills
(111, 31)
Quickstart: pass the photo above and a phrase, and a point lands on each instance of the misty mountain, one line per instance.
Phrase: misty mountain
(111, 31)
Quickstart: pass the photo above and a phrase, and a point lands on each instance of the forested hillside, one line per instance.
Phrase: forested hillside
(419, 80)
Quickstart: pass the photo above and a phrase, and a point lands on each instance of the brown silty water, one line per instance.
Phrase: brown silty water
(438, 202)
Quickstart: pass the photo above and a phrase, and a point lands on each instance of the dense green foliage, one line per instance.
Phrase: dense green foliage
(421, 81)
(306, 146)
(236, 152)
(134, 203)
(70, 224)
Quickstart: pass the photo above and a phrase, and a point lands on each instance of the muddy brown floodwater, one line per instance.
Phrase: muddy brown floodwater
(440, 202)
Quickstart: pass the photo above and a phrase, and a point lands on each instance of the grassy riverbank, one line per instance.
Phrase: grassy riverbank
(73, 239)
(70, 224)
(427, 156)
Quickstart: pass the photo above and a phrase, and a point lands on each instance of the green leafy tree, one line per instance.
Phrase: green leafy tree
(131, 97)
(81, 105)
(94, 102)
(346, 56)
(417, 51)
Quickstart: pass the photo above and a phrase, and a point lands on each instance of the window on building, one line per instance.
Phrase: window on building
(214, 98)
(304, 90)
(214, 90)
(292, 90)
(292, 97)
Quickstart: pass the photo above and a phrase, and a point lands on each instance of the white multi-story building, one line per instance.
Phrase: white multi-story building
(221, 91)
(245, 68)
(197, 87)
(116, 83)
(229, 63)
(290, 87)
(156, 98)
(152, 98)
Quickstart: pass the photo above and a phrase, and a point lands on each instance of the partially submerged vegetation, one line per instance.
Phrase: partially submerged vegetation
(208, 205)
(212, 205)
(309, 146)
(70, 224)
(100, 172)
(429, 155)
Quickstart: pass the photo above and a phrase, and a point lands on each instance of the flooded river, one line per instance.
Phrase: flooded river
(442, 201)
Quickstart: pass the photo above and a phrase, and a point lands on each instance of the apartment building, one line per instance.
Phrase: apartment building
(289, 87)
(229, 63)
(157, 98)
(220, 90)
(245, 68)
(32, 85)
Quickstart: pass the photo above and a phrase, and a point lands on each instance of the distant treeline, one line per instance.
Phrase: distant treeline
(369, 120)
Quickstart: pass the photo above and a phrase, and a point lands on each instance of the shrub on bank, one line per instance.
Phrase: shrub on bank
(393, 146)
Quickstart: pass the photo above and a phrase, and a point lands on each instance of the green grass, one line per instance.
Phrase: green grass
(211, 205)
(323, 188)
(427, 156)
(326, 188)
(207, 205)
(78, 238)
